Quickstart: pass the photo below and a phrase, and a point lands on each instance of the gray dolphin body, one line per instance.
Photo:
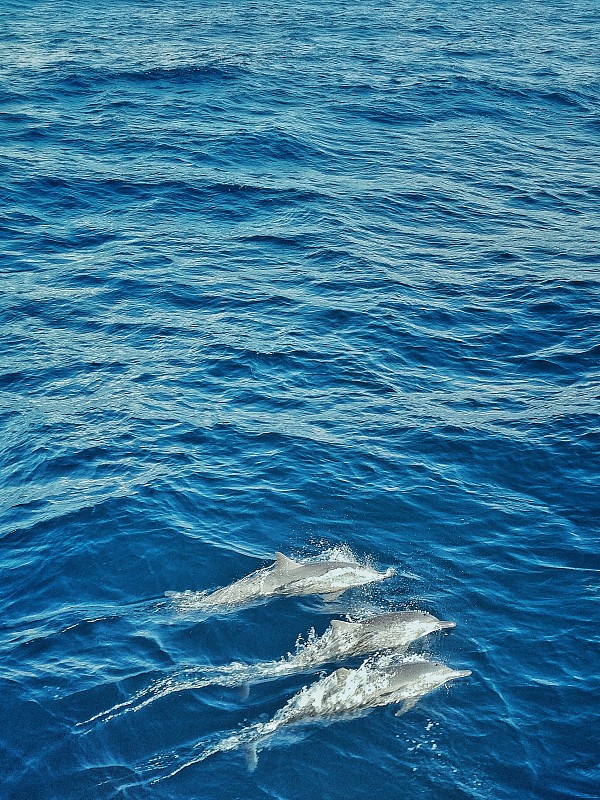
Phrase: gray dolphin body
(379, 681)
(286, 577)
(392, 631)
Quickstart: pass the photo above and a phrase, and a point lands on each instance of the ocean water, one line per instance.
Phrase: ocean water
(317, 277)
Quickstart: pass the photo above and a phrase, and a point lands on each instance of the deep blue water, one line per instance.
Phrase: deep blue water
(287, 276)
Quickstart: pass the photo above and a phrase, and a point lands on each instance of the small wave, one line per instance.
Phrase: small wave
(182, 73)
(91, 79)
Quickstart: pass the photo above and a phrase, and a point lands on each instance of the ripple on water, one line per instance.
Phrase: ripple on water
(298, 279)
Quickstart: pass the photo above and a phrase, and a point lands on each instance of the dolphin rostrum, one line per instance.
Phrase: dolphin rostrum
(341, 640)
(345, 693)
(327, 577)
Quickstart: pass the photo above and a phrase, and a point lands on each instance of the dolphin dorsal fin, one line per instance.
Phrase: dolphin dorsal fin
(285, 564)
(341, 625)
(341, 674)
(251, 751)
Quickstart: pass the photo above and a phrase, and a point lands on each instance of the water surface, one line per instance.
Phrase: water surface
(295, 277)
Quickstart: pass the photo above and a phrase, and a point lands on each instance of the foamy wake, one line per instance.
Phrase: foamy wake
(309, 654)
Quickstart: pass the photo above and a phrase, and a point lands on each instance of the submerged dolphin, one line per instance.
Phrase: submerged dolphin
(345, 693)
(285, 577)
(341, 640)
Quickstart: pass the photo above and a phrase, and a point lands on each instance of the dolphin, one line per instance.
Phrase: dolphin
(341, 640)
(328, 577)
(394, 630)
(344, 694)
(348, 693)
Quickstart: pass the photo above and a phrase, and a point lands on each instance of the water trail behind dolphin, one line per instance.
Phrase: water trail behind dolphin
(309, 653)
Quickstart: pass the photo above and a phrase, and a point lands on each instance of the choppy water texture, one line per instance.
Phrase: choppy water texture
(298, 277)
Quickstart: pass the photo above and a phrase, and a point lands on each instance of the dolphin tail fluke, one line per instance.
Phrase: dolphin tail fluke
(244, 691)
(251, 753)
(407, 705)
